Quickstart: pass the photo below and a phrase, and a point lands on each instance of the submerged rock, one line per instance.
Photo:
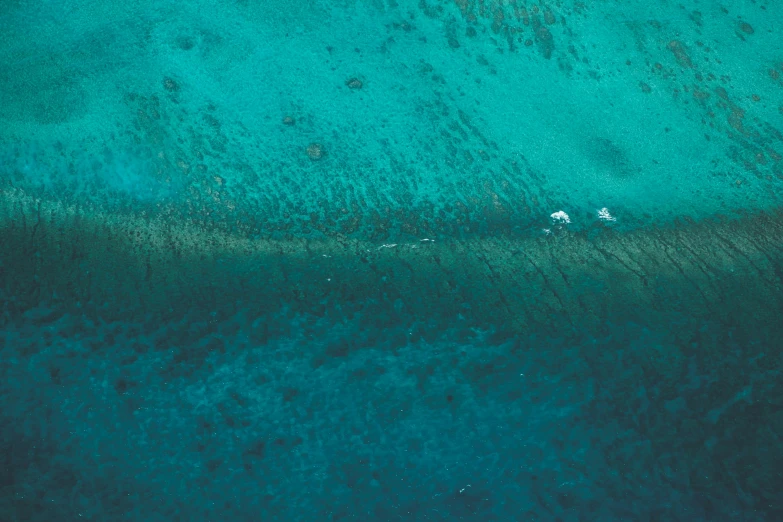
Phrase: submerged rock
(354, 83)
(315, 151)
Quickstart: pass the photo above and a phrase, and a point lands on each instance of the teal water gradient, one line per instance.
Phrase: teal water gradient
(391, 260)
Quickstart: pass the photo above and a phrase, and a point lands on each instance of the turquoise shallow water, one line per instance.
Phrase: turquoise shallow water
(391, 260)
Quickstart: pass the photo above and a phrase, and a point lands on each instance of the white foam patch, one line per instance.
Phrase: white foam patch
(560, 218)
(604, 215)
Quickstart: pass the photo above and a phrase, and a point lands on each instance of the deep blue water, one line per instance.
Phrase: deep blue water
(482, 260)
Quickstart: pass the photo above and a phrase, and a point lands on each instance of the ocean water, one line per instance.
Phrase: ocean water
(381, 260)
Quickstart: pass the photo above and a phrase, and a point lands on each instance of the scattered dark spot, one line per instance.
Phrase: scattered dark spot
(212, 121)
(680, 53)
(470, 32)
(405, 26)
(746, 28)
(453, 43)
(121, 385)
(546, 42)
(549, 16)
(54, 373)
(289, 394)
(645, 87)
(170, 85)
(205, 426)
(735, 118)
(239, 399)
(213, 464)
(338, 350)
(258, 449)
(700, 95)
(611, 158)
(185, 43)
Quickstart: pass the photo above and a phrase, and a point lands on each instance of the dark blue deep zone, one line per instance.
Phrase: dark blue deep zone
(231, 405)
